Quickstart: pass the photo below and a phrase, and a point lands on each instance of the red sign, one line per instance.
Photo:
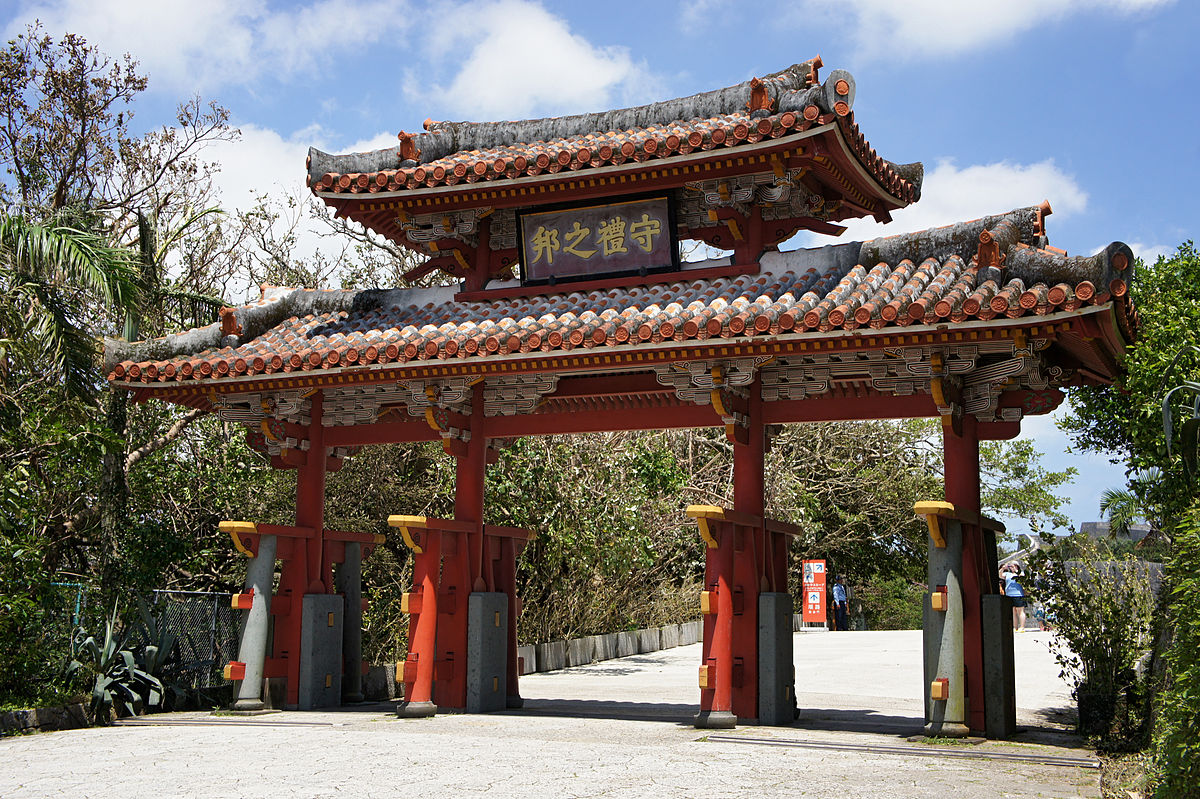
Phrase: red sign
(813, 585)
(597, 240)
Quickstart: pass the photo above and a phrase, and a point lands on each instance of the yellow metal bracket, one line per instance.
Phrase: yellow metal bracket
(233, 529)
(406, 523)
(933, 513)
(702, 514)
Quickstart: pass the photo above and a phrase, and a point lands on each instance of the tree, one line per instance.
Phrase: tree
(51, 274)
(1124, 421)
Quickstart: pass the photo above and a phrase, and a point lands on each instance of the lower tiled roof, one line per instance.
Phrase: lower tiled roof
(804, 293)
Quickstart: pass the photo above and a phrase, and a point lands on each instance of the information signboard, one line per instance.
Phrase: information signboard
(598, 240)
(813, 585)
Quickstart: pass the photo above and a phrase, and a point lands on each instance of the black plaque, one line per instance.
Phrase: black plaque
(598, 240)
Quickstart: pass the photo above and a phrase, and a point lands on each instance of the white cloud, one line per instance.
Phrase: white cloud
(698, 15)
(948, 27)
(195, 47)
(950, 194)
(1150, 253)
(521, 58)
(266, 162)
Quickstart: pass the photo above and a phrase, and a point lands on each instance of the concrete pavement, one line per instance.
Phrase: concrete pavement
(618, 728)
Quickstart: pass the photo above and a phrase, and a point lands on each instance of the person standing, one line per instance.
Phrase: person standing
(841, 607)
(1014, 591)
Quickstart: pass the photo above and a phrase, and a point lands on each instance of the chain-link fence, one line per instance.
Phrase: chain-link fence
(207, 630)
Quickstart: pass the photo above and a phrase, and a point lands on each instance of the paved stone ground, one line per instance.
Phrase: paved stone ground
(618, 728)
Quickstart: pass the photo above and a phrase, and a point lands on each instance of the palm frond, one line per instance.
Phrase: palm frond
(58, 252)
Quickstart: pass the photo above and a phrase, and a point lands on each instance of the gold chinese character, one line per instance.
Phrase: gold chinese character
(545, 242)
(644, 230)
(575, 237)
(612, 236)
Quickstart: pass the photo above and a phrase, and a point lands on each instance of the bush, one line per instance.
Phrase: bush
(1101, 604)
(892, 604)
(1177, 742)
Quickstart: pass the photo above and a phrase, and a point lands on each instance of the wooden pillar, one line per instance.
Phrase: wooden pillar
(749, 558)
(463, 571)
(716, 657)
(420, 668)
(306, 571)
(963, 491)
(507, 582)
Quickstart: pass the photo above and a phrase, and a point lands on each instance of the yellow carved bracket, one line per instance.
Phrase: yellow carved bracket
(702, 514)
(933, 513)
(236, 528)
(407, 524)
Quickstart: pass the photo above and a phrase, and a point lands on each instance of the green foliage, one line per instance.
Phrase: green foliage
(611, 532)
(1124, 421)
(1015, 485)
(1177, 739)
(1101, 605)
(892, 603)
(119, 682)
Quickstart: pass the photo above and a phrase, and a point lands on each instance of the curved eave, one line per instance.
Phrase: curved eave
(1083, 322)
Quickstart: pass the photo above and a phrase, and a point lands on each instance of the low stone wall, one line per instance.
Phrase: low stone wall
(44, 719)
(380, 682)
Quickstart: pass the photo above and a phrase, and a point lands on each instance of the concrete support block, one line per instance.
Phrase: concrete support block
(527, 653)
(649, 640)
(606, 646)
(348, 581)
(321, 651)
(668, 636)
(691, 632)
(487, 651)
(551, 656)
(256, 630)
(776, 673)
(379, 685)
(797, 622)
(943, 639)
(627, 644)
(581, 651)
(999, 670)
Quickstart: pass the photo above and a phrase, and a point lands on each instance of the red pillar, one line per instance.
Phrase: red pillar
(463, 571)
(307, 571)
(419, 670)
(506, 581)
(963, 491)
(749, 559)
(716, 700)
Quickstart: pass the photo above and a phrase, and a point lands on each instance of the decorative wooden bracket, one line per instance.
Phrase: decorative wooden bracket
(935, 512)
(732, 405)
(708, 517)
(947, 394)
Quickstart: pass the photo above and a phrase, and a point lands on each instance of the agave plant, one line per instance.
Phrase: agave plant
(158, 656)
(119, 683)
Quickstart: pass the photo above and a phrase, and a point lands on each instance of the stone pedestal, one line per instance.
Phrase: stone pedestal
(487, 651)
(776, 672)
(321, 651)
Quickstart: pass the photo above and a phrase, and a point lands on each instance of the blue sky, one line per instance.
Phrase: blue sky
(1091, 104)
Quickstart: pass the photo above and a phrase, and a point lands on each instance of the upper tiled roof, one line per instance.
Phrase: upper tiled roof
(780, 105)
(995, 268)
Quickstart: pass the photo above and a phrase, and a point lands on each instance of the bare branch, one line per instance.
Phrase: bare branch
(155, 444)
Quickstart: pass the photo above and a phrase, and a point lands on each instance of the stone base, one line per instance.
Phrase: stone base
(238, 711)
(715, 720)
(514, 702)
(947, 729)
(416, 710)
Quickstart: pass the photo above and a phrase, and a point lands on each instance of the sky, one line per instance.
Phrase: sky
(1090, 104)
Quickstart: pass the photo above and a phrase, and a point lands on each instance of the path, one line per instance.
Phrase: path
(618, 728)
